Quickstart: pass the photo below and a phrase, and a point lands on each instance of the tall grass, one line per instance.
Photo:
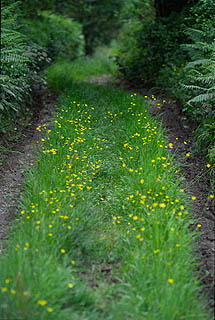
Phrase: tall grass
(103, 230)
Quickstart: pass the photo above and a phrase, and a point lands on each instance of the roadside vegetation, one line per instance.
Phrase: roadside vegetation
(28, 47)
(170, 45)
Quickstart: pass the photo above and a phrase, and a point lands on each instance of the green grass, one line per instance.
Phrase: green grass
(103, 231)
(63, 73)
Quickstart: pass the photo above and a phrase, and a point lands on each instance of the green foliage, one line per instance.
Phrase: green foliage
(20, 65)
(61, 37)
(64, 73)
(16, 58)
(15, 69)
(200, 90)
(203, 13)
(31, 8)
(151, 53)
(147, 42)
(99, 20)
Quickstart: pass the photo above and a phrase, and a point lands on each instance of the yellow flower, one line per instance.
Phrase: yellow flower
(73, 262)
(193, 198)
(7, 280)
(162, 205)
(208, 165)
(62, 250)
(156, 251)
(199, 225)
(49, 309)
(3, 289)
(70, 285)
(141, 181)
(42, 302)
(211, 196)
(170, 281)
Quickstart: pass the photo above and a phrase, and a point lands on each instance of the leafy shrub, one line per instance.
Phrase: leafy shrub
(16, 57)
(201, 88)
(138, 17)
(99, 19)
(147, 42)
(61, 37)
(15, 69)
(19, 67)
(151, 53)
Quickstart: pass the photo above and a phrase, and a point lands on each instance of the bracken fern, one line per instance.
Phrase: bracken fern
(14, 65)
(201, 90)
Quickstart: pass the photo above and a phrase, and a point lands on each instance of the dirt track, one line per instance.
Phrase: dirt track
(196, 179)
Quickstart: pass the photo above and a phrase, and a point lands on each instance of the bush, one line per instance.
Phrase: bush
(20, 66)
(148, 42)
(200, 89)
(151, 53)
(98, 18)
(16, 58)
(61, 37)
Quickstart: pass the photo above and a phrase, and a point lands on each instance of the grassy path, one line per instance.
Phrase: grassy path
(103, 232)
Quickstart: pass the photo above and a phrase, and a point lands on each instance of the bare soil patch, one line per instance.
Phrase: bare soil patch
(20, 158)
(196, 182)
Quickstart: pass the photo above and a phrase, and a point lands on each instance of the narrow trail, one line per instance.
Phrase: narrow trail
(179, 131)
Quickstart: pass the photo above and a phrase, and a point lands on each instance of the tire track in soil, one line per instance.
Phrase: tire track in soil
(195, 174)
(18, 162)
(196, 180)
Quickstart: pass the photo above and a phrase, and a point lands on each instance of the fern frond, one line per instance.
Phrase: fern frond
(200, 62)
(202, 97)
(193, 87)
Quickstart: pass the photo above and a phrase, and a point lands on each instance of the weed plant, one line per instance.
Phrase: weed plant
(103, 229)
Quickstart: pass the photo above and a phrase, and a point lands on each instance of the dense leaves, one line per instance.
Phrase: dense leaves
(61, 37)
(157, 41)
(98, 17)
(16, 62)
